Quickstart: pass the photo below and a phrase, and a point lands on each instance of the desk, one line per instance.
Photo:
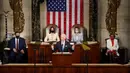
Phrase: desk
(75, 68)
(44, 54)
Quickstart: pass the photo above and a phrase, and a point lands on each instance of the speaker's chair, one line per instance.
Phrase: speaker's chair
(83, 31)
(47, 32)
(122, 58)
(51, 25)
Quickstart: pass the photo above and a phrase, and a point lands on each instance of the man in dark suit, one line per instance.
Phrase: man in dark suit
(63, 45)
(17, 46)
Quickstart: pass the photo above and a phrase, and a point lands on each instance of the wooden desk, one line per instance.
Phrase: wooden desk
(44, 54)
(75, 68)
(62, 59)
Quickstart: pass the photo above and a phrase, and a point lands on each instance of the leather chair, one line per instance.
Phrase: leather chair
(46, 30)
(83, 31)
(121, 59)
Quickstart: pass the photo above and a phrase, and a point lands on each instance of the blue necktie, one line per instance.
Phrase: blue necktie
(62, 47)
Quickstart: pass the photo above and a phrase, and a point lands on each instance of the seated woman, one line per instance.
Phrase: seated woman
(77, 37)
(112, 47)
(52, 36)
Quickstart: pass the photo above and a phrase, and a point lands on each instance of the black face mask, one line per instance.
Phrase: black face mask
(52, 31)
(17, 36)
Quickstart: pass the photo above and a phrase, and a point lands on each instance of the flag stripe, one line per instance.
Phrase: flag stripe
(70, 17)
(62, 22)
(76, 11)
(53, 17)
(82, 12)
(67, 19)
(73, 12)
(56, 18)
(59, 22)
(65, 22)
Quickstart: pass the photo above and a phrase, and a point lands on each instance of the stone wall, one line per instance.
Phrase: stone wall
(27, 16)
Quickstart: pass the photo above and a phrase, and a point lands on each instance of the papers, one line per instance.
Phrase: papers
(71, 43)
(32, 42)
(91, 42)
(45, 43)
(6, 48)
(42, 43)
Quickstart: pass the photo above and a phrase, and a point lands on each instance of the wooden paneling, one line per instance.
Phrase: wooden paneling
(75, 68)
(44, 54)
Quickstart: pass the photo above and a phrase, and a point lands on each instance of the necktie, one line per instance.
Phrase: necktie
(17, 44)
(62, 47)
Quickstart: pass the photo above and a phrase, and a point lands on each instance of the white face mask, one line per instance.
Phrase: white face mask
(76, 31)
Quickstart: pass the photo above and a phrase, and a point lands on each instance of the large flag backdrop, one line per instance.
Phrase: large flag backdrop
(65, 14)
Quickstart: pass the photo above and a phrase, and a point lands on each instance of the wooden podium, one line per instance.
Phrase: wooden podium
(62, 59)
(44, 53)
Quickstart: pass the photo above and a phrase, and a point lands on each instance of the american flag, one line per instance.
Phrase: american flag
(65, 14)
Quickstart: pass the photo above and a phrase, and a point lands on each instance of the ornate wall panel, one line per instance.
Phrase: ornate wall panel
(111, 16)
(18, 15)
(36, 20)
(93, 19)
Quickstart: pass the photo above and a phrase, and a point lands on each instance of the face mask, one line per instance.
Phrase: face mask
(17, 36)
(112, 38)
(76, 31)
(52, 31)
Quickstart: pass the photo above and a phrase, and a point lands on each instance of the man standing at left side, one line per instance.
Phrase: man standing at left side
(17, 46)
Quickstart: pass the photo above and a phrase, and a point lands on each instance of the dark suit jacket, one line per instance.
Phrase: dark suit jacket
(22, 44)
(67, 47)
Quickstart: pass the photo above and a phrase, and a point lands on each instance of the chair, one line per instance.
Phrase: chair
(83, 31)
(5, 51)
(111, 58)
(46, 30)
(122, 58)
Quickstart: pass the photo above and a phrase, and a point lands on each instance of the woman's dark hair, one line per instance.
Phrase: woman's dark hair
(112, 34)
(77, 28)
(50, 31)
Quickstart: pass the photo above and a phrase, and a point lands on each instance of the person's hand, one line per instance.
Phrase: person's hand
(22, 51)
(52, 47)
(15, 50)
(73, 46)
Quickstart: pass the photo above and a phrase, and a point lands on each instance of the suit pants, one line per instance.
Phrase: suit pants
(16, 57)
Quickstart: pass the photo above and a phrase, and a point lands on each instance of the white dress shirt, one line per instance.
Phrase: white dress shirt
(16, 43)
